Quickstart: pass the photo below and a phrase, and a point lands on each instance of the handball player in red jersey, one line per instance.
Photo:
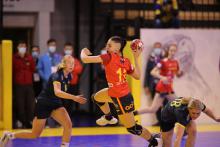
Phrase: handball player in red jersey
(166, 70)
(116, 68)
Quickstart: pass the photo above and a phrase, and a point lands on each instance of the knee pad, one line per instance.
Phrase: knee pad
(136, 129)
(97, 102)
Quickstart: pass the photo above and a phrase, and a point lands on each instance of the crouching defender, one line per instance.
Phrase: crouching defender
(182, 111)
(117, 67)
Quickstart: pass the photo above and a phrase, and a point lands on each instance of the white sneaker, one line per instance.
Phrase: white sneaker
(103, 121)
(159, 141)
(5, 138)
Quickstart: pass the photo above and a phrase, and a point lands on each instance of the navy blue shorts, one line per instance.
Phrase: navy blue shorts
(166, 126)
(44, 108)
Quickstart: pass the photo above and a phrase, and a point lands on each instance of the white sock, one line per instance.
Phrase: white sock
(65, 144)
(12, 135)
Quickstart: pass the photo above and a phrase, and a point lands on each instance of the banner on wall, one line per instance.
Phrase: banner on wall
(199, 57)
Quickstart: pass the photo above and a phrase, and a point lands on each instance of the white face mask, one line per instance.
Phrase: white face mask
(35, 54)
(103, 52)
(68, 52)
(157, 52)
(22, 50)
(52, 49)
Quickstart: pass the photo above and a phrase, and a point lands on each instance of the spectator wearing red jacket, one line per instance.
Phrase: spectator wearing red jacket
(74, 84)
(23, 69)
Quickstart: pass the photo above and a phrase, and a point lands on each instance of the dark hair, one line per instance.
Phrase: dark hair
(35, 46)
(120, 40)
(168, 48)
(51, 40)
(21, 42)
(68, 44)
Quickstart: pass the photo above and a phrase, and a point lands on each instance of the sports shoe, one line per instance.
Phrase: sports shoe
(159, 141)
(5, 138)
(103, 121)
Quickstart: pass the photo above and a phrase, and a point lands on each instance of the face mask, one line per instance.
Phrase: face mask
(68, 52)
(157, 52)
(22, 50)
(35, 54)
(52, 49)
(103, 52)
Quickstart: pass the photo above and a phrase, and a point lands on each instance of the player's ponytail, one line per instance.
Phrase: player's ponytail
(61, 65)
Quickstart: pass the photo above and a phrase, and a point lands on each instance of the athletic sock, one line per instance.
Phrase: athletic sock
(65, 144)
(12, 135)
(108, 116)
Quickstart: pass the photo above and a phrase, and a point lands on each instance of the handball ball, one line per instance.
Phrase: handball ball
(137, 44)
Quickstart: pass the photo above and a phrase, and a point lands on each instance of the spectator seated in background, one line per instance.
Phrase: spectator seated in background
(37, 82)
(166, 14)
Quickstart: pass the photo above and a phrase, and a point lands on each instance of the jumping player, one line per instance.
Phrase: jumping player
(49, 104)
(182, 111)
(117, 67)
(166, 70)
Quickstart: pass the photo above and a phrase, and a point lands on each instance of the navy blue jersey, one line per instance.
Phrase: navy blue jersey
(176, 112)
(48, 92)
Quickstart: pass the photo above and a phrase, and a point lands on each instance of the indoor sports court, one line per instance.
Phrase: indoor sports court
(112, 137)
(154, 64)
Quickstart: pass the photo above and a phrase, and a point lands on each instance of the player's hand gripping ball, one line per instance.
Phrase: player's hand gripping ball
(137, 44)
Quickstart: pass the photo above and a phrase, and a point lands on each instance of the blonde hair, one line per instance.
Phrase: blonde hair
(195, 104)
(65, 59)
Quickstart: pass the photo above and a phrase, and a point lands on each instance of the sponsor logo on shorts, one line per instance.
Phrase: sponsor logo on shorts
(131, 106)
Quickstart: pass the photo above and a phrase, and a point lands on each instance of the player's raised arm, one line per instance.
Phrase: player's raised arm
(136, 47)
(86, 58)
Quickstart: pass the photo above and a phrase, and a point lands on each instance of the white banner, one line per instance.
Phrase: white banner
(199, 58)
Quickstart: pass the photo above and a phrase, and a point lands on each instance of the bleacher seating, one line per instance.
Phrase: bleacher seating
(202, 14)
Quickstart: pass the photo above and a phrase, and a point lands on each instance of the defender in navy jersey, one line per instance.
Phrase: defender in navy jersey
(49, 104)
(182, 111)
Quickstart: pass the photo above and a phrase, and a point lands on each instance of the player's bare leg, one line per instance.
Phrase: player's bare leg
(38, 126)
(156, 104)
(101, 98)
(191, 131)
(62, 117)
(129, 122)
(167, 138)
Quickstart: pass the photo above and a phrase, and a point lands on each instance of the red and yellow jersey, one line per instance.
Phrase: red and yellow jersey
(116, 69)
(168, 68)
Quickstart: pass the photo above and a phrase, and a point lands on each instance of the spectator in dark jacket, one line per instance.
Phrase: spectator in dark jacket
(37, 81)
(150, 81)
(23, 69)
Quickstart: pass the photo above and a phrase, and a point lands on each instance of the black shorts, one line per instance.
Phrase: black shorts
(124, 104)
(166, 126)
(44, 108)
